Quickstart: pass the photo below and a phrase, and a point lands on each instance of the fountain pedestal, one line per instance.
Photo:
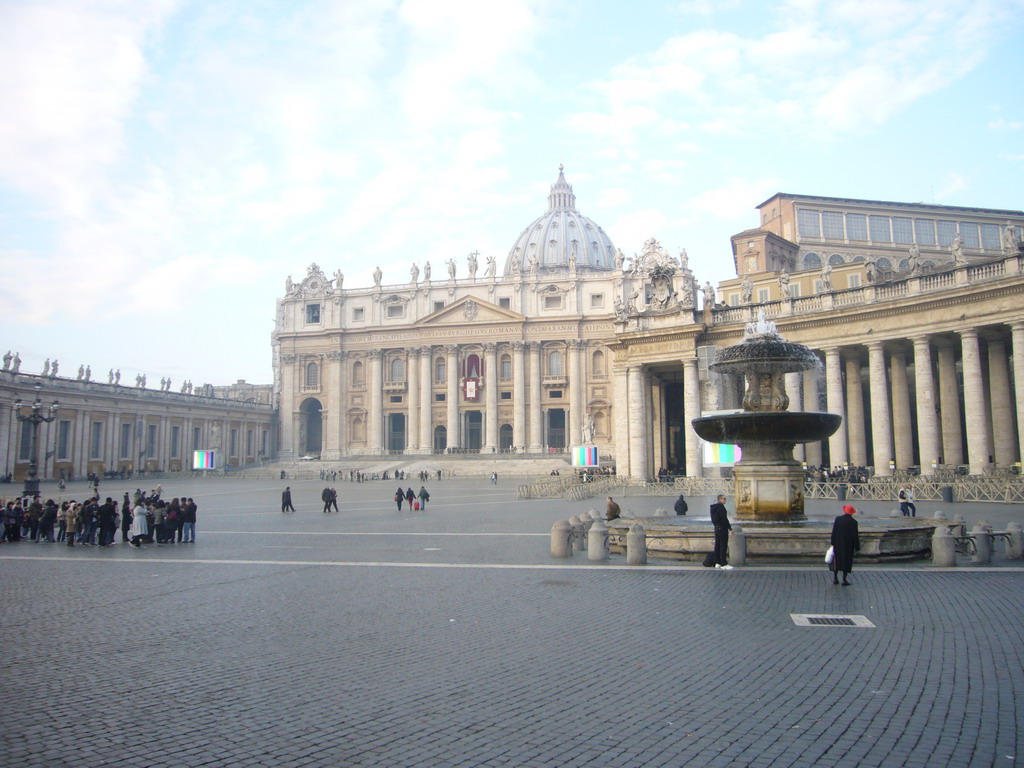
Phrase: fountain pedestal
(769, 492)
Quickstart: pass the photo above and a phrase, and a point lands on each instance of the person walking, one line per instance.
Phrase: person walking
(720, 519)
(286, 500)
(325, 497)
(907, 506)
(410, 497)
(614, 511)
(72, 520)
(126, 519)
(424, 498)
(399, 497)
(188, 521)
(334, 499)
(845, 541)
(140, 525)
(681, 506)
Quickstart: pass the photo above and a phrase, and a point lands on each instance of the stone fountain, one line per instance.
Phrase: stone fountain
(769, 481)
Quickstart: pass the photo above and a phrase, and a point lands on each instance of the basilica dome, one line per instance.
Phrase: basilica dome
(560, 236)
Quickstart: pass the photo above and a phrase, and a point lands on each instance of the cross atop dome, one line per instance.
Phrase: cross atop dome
(561, 197)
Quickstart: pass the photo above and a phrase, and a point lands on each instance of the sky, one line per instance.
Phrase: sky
(165, 165)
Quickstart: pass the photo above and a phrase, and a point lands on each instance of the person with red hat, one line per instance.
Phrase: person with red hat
(845, 541)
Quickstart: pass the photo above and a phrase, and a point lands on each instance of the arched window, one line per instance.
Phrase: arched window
(440, 369)
(358, 429)
(506, 367)
(835, 259)
(904, 265)
(554, 363)
(357, 374)
(397, 370)
(312, 375)
(600, 424)
(883, 263)
(812, 261)
(597, 363)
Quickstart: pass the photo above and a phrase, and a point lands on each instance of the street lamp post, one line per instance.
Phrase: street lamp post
(35, 418)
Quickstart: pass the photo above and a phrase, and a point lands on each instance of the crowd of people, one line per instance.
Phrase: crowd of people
(846, 474)
(95, 523)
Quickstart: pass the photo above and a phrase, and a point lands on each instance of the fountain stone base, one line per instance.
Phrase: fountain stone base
(769, 492)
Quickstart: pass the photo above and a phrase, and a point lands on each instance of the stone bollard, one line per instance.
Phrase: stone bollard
(943, 548)
(579, 539)
(982, 544)
(737, 546)
(895, 513)
(961, 529)
(661, 512)
(597, 542)
(561, 539)
(939, 515)
(636, 545)
(1015, 548)
(588, 518)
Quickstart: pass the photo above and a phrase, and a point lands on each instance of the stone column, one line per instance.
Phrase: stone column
(855, 425)
(1002, 410)
(794, 387)
(924, 386)
(375, 409)
(903, 437)
(575, 421)
(1017, 329)
(979, 440)
(638, 416)
(691, 411)
(491, 397)
(812, 451)
(949, 407)
(536, 417)
(426, 395)
(331, 375)
(288, 439)
(518, 396)
(834, 399)
(412, 404)
(881, 423)
(451, 352)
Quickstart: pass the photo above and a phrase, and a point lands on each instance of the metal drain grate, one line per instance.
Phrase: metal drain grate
(828, 620)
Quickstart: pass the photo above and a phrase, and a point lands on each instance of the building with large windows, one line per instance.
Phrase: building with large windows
(917, 312)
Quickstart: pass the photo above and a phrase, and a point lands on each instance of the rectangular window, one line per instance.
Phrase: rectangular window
(596, 300)
(990, 237)
(556, 394)
(552, 302)
(794, 290)
(969, 232)
(902, 230)
(438, 306)
(734, 299)
(396, 310)
(879, 228)
(947, 231)
(506, 368)
(151, 441)
(175, 442)
(506, 395)
(808, 223)
(505, 303)
(832, 225)
(124, 449)
(25, 444)
(395, 398)
(763, 295)
(439, 397)
(358, 314)
(853, 281)
(63, 439)
(856, 226)
(96, 440)
(924, 231)
(312, 313)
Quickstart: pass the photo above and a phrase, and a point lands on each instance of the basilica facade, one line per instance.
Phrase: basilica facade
(916, 312)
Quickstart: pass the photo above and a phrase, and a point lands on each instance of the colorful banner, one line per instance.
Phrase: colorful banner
(721, 453)
(203, 460)
(584, 456)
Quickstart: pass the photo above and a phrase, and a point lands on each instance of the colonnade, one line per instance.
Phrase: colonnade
(949, 398)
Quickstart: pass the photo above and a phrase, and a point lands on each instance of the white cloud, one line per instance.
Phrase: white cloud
(1005, 125)
(953, 184)
(732, 200)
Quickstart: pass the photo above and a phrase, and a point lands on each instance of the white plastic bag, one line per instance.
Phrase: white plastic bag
(830, 555)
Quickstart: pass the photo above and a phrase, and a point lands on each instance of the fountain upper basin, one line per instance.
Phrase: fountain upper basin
(767, 427)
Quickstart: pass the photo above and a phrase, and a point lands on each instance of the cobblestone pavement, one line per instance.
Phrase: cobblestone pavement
(370, 638)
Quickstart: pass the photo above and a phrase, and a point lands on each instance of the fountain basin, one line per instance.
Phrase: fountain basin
(788, 427)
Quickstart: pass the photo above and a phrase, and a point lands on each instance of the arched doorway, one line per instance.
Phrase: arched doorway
(440, 439)
(505, 437)
(310, 427)
(396, 431)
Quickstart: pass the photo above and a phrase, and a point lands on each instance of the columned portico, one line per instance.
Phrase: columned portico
(903, 436)
(518, 395)
(924, 389)
(1017, 331)
(691, 411)
(425, 395)
(949, 406)
(451, 352)
(1001, 412)
(811, 403)
(855, 428)
(639, 443)
(375, 393)
(575, 422)
(979, 439)
(881, 425)
(536, 420)
(412, 428)
(491, 397)
(834, 399)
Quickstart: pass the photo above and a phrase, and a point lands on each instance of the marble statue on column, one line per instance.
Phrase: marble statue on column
(572, 257)
(826, 277)
(1009, 238)
(915, 260)
(533, 264)
(7, 360)
(138, 379)
(426, 271)
(16, 365)
(414, 273)
(620, 309)
(46, 367)
(588, 429)
(871, 270)
(620, 260)
(957, 251)
(746, 291)
(53, 368)
(492, 266)
(339, 279)
(784, 285)
(117, 376)
(472, 264)
(163, 383)
(451, 268)
(88, 373)
(81, 372)
(684, 259)
(377, 276)
(289, 286)
(709, 295)
(110, 376)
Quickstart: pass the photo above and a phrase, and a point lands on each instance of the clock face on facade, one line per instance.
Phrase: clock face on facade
(313, 284)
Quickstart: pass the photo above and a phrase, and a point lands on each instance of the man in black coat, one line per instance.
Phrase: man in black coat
(681, 506)
(286, 500)
(845, 541)
(720, 519)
